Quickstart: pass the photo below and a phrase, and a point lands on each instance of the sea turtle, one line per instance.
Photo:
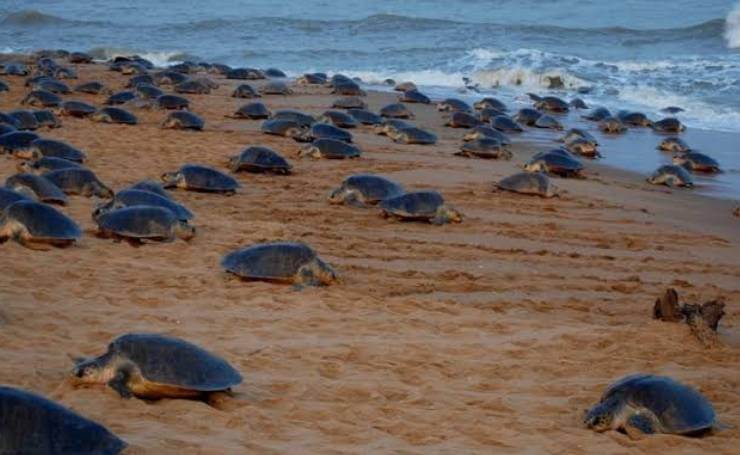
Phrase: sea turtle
(245, 91)
(696, 162)
(200, 178)
(168, 77)
(259, 159)
(453, 105)
(389, 126)
(154, 366)
(365, 117)
(148, 91)
(575, 134)
(299, 117)
(14, 69)
(583, 147)
(673, 144)
(555, 162)
(32, 424)
(114, 115)
(311, 79)
(612, 125)
(329, 149)
(325, 131)
(78, 180)
(347, 88)
(597, 114)
(671, 175)
(412, 135)
(349, 102)
(93, 88)
(362, 190)
(506, 124)
(405, 86)
(183, 120)
(529, 183)
(488, 114)
(46, 118)
(34, 224)
(219, 68)
(250, 74)
(80, 57)
(77, 109)
(490, 103)
(338, 118)
(643, 404)
(251, 111)
(486, 132)
(420, 206)
(275, 73)
(7, 128)
(396, 110)
(192, 86)
(139, 79)
(668, 125)
(488, 148)
(130, 197)
(548, 122)
(51, 85)
(42, 98)
(414, 96)
(282, 127)
(120, 98)
(9, 196)
(4, 87)
(37, 187)
(24, 119)
(54, 148)
(551, 104)
(45, 164)
(17, 141)
(527, 116)
(172, 102)
(463, 119)
(275, 88)
(285, 262)
(137, 223)
(577, 103)
(634, 118)
(150, 186)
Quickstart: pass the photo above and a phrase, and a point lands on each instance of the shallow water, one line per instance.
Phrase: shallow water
(631, 54)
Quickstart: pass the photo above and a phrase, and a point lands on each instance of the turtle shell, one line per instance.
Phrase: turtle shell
(349, 102)
(183, 120)
(244, 91)
(24, 119)
(275, 88)
(245, 74)
(301, 118)
(339, 119)
(486, 131)
(148, 91)
(484, 148)
(58, 149)
(152, 187)
(668, 170)
(47, 118)
(535, 183)
(175, 362)
(373, 188)
(253, 111)
(80, 57)
(42, 222)
(280, 127)
(260, 159)
(334, 149)
(490, 103)
(274, 72)
(549, 122)
(414, 205)
(77, 108)
(279, 261)
(172, 102)
(365, 117)
(553, 162)
(42, 98)
(42, 188)
(93, 88)
(696, 161)
(396, 110)
(169, 77)
(552, 104)
(203, 178)
(6, 128)
(9, 196)
(598, 114)
(139, 221)
(326, 131)
(16, 141)
(633, 118)
(414, 96)
(49, 163)
(195, 87)
(347, 88)
(134, 197)
(404, 86)
(115, 115)
(120, 98)
(668, 125)
(453, 105)
(463, 119)
(414, 135)
(679, 408)
(78, 180)
(673, 144)
(32, 424)
(140, 79)
(506, 124)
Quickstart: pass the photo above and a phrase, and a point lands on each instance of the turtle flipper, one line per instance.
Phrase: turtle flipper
(640, 424)
(120, 382)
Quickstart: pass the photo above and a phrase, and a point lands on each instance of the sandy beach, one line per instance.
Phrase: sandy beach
(489, 336)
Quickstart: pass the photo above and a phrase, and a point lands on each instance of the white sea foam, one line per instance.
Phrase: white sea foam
(732, 27)
(158, 58)
(527, 78)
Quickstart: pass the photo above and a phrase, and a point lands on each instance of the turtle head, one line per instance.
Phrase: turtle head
(185, 231)
(171, 179)
(537, 166)
(99, 117)
(338, 195)
(447, 214)
(601, 417)
(28, 154)
(93, 371)
(679, 159)
(234, 163)
(25, 166)
(309, 150)
(103, 208)
(103, 191)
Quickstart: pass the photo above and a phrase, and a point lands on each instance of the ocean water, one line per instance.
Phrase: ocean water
(628, 54)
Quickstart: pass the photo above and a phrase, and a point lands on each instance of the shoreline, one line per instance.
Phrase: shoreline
(493, 334)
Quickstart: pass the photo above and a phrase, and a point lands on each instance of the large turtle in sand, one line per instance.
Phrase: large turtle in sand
(557, 162)
(17, 141)
(79, 180)
(131, 197)
(487, 148)
(673, 144)
(329, 149)
(53, 148)
(696, 162)
(259, 159)
(194, 177)
(251, 111)
(8, 197)
(33, 224)
(396, 110)
(114, 115)
(644, 404)
(412, 135)
(183, 120)
(138, 223)
(529, 183)
(283, 127)
(671, 175)
(285, 262)
(668, 125)
(37, 187)
(364, 190)
(32, 424)
(45, 164)
(154, 366)
(426, 206)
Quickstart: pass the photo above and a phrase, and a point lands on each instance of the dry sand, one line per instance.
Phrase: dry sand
(492, 336)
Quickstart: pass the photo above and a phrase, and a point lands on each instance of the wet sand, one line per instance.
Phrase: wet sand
(489, 336)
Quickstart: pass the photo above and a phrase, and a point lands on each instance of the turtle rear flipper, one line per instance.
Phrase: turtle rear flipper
(640, 424)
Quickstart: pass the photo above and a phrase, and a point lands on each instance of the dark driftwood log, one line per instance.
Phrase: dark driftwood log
(666, 307)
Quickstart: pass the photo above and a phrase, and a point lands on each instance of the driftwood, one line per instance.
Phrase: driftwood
(703, 319)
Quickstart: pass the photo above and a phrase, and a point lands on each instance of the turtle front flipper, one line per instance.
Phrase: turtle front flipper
(640, 424)
(120, 382)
